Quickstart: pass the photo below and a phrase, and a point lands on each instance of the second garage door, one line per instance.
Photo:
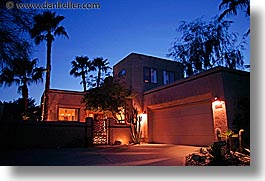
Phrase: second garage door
(188, 124)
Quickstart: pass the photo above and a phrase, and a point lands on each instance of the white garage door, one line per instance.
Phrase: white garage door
(188, 124)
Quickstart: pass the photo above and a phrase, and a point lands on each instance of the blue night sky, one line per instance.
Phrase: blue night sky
(115, 30)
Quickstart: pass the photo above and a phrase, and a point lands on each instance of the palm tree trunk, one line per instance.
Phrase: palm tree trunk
(48, 65)
(99, 76)
(25, 94)
(48, 76)
(84, 81)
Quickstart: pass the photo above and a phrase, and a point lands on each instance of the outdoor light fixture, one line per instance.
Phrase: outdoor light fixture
(217, 103)
(216, 98)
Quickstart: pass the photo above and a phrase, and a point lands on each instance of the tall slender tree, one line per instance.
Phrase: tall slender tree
(45, 28)
(22, 72)
(81, 66)
(102, 67)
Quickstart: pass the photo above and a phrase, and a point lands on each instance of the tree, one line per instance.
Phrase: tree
(80, 67)
(109, 98)
(204, 45)
(14, 32)
(135, 126)
(231, 7)
(100, 65)
(14, 110)
(45, 28)
(23, 72)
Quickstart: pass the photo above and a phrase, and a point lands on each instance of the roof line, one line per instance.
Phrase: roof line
(197, 76)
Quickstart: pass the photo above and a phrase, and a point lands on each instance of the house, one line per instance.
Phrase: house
(142, 73)
(65, 105)
(183, 110)
(174, 109)
(192, 110)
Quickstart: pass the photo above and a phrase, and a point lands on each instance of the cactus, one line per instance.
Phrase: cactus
(135, 126)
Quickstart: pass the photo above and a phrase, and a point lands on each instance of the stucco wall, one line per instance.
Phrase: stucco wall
(204, 83)
(225, 84)
(65, 99)
(236, 88)
(134, 65)
(54, 134)
(25, 134)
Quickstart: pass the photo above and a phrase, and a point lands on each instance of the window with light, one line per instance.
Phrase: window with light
(68, 114)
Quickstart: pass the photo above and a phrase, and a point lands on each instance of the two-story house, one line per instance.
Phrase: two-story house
(175, 110)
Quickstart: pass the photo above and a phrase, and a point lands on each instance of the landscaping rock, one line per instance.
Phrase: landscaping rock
(204, 158)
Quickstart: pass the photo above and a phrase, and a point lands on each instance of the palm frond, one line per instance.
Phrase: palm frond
(60, 31)
(38, 39)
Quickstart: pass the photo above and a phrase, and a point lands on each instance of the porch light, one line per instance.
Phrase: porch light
(219, 115)
(143, 116)
(217, 103)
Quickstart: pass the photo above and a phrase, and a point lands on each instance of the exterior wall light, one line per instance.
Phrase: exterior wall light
(219, 116)
(217, 103)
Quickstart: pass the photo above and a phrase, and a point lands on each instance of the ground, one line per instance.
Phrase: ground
(118, 155)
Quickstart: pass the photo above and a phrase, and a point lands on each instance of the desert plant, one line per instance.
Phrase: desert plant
(218, 153)
(135, 126)
(228, 135)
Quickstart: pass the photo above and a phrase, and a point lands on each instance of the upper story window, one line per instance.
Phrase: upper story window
(68, 114)
(150, 75)
(122, 73)
(168, 77)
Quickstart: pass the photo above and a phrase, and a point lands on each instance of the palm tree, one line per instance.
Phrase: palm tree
(80, 67)
(232, 7)
(23, 72)
(100, 65)
(45, 28)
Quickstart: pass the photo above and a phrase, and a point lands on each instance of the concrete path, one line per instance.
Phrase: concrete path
(123, 155)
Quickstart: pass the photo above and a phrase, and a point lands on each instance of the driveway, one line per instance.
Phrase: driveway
(122, 155)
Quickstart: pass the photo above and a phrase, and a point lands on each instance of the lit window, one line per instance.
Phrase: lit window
(150, 75)
(68, 114)
(121, 115)
(168, 77)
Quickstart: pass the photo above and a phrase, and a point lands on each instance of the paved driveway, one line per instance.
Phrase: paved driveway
(123, 155)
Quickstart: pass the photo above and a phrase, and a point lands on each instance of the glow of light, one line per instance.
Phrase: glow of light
(123, 140)
(144, 125)
(217, 104)
(144, 118)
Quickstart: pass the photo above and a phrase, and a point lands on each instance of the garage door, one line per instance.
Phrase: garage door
(188, 124)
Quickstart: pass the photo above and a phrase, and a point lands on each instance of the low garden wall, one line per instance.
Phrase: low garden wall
(42, 134)
(54, 134)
